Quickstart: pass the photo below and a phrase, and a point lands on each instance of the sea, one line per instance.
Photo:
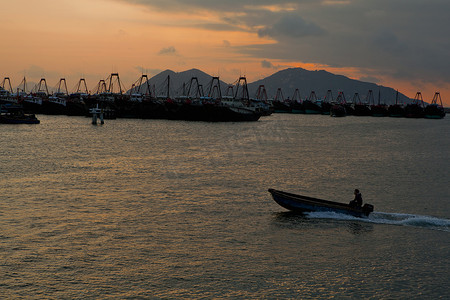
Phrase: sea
(160, 209)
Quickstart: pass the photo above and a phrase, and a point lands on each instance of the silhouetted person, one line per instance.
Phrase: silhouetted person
(357, 202)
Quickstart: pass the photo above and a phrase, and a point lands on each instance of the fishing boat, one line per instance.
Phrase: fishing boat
(326, 103)
(416, 108)
(280, 105)
(14, 114)
(297, 105)
(301, 204)
(435, 110)
(312, 105)
(360, 108)
(396, 110)
(339, 108)
(379, 109)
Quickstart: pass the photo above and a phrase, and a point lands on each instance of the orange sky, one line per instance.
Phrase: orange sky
(92, 38)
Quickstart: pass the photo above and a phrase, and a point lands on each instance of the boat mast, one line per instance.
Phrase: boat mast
(436, 97)
(43, 84)
(418, 99)
(215, 87)
(65, 86)
(168, 86)
(279, 96)
(101, 87)
(140, 84)
(341, 98)
(328, 97)
(198, 92)
(230, 91)
(245, 95)
(356, 99)
(370, 98)
(9, 83)
(312, 96)
(261, 93)
(111, 83)
(82, 80)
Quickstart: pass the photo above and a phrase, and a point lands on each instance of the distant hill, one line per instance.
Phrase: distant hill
(320, 82)
(177, 79)
(288, 80)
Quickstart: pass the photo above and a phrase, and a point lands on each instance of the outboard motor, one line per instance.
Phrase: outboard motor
(367, 209)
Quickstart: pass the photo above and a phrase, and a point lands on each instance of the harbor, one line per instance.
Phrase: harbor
(224, 150)
(212, 101)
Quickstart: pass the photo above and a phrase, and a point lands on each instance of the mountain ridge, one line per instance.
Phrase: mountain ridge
(288, 80)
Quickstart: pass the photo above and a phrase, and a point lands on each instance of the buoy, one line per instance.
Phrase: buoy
(97, 113)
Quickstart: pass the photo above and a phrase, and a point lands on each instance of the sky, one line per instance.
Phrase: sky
(403, 44)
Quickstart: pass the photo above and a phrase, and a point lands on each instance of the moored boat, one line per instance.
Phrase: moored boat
(312, 105)
(339, 108)
(280, 105)
(14, 114)
(380, 109)
(326, 103)
(435, 110)
(360, 108)
(396, 110)
(297, 105)
(415, 109)
(301, 204)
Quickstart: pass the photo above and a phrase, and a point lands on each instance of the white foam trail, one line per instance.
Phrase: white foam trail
(390, 218)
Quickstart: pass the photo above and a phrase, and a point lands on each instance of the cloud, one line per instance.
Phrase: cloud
(395, 38)
(293, 26)
(369, 79)
(207, 5)
(336, 2)
(267, 64)
(148, 71)
(388, 42)
(168, 51)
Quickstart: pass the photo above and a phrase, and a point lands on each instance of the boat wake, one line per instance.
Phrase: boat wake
(390, 219)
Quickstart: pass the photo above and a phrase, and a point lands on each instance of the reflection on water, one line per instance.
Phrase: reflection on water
(289, 218)
(292, 220)
(161, 209)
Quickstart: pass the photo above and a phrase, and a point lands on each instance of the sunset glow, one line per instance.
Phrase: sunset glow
(91, 39)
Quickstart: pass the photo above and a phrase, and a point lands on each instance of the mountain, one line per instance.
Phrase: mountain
(320, 82)
(288, 80)
(178, 79)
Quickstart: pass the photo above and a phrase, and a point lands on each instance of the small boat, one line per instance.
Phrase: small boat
(299, 203)
(14, 114)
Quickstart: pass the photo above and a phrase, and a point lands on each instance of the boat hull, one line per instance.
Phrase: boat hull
(338, 111)
(311, 108)
(23, 120)
(302, 204)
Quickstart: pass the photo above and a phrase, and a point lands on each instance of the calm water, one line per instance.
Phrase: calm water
(168, 209)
